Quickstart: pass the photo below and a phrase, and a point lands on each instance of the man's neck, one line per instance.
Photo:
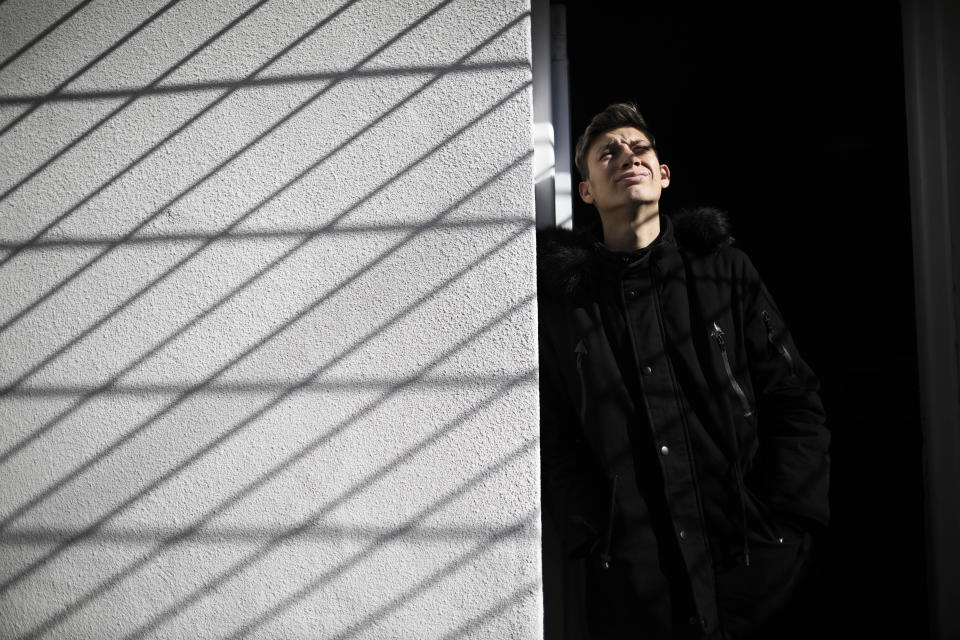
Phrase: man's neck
(633, 231)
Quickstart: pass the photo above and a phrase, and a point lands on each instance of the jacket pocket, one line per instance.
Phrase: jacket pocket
(719, 337)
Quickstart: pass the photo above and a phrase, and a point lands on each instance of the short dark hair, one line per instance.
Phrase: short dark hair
(619, 114)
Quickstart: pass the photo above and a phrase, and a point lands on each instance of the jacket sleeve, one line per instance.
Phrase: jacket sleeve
(569, 475)
(791, 470)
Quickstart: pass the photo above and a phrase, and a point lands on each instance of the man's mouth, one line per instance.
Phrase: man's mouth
(633, 176)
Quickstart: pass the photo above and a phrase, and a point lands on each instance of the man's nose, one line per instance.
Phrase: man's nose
(628, 158)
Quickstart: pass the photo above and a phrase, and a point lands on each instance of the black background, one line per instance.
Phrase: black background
(791, 118)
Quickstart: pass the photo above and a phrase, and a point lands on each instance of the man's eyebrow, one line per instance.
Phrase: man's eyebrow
(609, 145)
(630, 143)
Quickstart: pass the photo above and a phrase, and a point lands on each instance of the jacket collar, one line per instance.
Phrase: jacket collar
(569, 262)
(616, 262)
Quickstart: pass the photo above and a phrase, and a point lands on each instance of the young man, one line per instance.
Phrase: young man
(684, 452)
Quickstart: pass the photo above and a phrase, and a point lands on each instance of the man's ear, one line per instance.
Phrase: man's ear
(585, 192)
(664, 176)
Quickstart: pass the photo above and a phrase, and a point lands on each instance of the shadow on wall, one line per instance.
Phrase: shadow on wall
(339, 437)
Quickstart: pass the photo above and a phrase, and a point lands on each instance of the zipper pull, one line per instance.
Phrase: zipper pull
(581, 351)
(768, 323)
(717, 334)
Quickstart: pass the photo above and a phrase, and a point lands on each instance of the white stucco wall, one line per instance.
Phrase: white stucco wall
(267, 331)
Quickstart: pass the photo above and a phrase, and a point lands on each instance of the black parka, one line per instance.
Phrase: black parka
(671, 370)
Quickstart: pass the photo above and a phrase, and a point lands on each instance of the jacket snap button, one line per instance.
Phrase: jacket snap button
(683, 535)
(664, 450)
(647, 370)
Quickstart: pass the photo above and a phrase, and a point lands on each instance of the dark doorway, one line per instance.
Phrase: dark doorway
(791, 118)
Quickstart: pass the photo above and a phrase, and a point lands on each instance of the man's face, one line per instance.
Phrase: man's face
(624, 171)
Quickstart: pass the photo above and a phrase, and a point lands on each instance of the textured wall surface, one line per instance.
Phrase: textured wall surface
(267, 332)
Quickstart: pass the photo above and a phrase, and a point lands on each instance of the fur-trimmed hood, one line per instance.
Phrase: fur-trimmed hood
(566, 259)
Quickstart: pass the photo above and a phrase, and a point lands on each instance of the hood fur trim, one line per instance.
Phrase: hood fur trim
(702, 230)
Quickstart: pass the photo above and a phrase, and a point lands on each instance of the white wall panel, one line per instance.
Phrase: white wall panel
(268, 330)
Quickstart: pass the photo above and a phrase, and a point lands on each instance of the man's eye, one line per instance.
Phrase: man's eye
(641, 149)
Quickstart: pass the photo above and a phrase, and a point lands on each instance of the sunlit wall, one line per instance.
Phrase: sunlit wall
(267, 320)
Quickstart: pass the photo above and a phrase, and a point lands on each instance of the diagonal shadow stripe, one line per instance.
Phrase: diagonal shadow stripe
(501, 606)
(103, 55)
(173, 134)
(413, 592)
(256, 236)
(285, 79)
(416, 231)
(43, 34)
(102, 121)
(233, 431)
(187, 533)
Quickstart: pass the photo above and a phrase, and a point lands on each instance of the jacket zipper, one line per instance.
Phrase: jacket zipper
(605, 557)
(718, 335)
(779, 346)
